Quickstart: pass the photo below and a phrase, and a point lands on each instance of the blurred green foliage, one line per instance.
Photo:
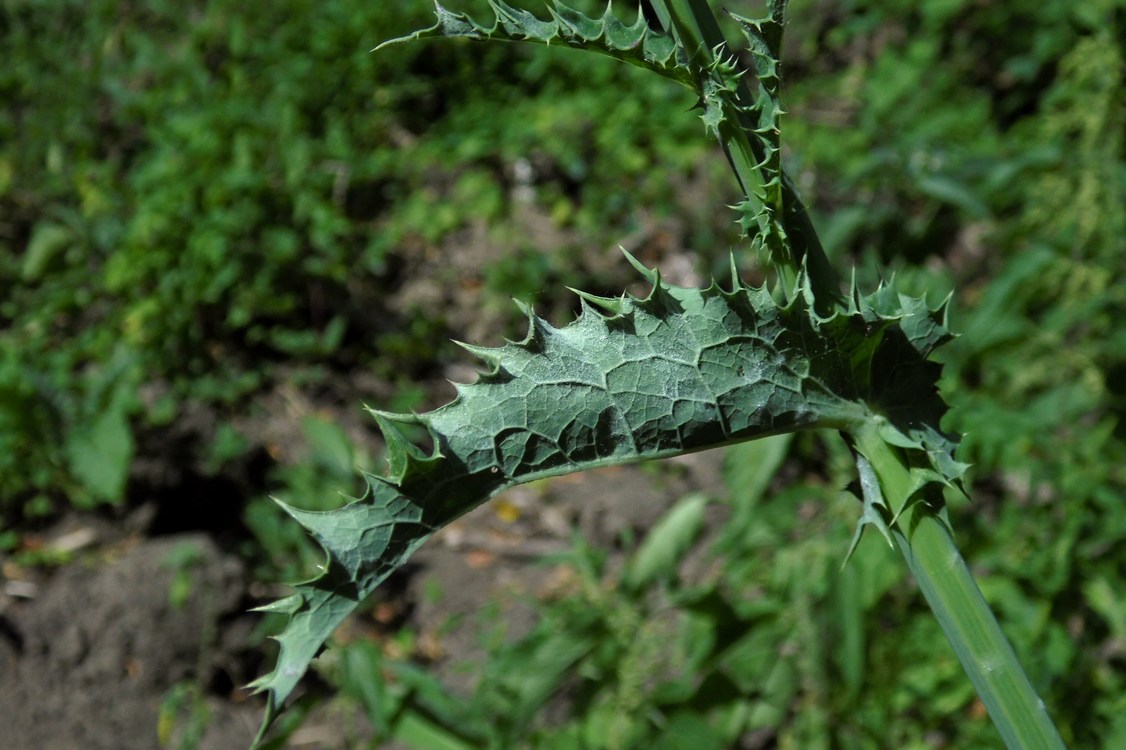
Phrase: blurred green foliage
(200, 199)
(204, 191)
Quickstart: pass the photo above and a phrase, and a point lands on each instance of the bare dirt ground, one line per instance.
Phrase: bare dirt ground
(91, 651)
(88, 654)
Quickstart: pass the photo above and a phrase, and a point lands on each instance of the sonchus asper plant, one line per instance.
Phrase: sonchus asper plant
(683, 370)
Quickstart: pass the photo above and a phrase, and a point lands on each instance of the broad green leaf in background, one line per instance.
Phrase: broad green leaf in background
(99, 454)
(668, 540)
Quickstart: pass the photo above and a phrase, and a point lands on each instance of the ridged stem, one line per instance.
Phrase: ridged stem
(923, 537)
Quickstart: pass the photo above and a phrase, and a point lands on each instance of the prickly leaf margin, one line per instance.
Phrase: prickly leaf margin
(631, 379)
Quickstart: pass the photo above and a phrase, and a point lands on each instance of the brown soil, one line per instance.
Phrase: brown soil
(91, 652)
(88, 655)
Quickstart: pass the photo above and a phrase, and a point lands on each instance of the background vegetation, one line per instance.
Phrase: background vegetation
(222, 229)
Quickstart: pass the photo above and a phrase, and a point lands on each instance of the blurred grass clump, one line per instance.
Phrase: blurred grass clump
(199, 200)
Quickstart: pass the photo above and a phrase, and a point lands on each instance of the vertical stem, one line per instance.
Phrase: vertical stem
(695, 26)
(699, 33)
(924, 538)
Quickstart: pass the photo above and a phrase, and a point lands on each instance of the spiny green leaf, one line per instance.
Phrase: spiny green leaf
(637, 44)
(764, 36)
(680, 370)
(875, 507)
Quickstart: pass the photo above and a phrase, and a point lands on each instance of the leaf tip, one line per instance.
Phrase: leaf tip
(649, 274)
(593, 302)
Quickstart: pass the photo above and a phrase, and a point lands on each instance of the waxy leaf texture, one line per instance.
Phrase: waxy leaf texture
(631, 379)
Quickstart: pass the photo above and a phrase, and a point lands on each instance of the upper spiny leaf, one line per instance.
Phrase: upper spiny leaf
(635, 43)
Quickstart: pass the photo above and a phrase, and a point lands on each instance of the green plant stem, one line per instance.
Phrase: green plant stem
(696, 28)
(924, 538)
(695, 25)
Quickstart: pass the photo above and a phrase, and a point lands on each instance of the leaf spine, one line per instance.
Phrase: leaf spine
(592, 302)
